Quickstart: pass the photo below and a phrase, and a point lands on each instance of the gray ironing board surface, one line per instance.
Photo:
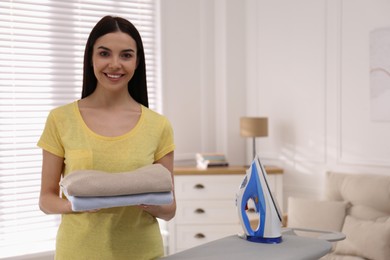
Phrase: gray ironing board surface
(233, 247)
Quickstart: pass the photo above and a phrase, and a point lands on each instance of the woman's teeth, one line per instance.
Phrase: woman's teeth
(116, 76)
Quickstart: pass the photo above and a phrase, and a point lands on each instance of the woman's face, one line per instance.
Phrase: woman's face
(114, 60)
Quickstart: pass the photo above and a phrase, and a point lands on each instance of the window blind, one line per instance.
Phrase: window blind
(41, 57)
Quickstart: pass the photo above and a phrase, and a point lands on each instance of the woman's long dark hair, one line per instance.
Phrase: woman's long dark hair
(137, 86)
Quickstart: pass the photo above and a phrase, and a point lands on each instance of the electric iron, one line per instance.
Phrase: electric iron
(255, 187)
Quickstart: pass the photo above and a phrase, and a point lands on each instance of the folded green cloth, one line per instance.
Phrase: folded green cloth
(150, 178)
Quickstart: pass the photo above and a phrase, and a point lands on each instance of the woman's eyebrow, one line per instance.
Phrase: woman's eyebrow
(107, 49)
(128, 50)
(104, 48)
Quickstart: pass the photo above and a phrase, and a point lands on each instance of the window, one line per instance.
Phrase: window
(41, 49)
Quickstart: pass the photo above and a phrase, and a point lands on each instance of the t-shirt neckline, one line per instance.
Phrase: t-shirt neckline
(90, 131)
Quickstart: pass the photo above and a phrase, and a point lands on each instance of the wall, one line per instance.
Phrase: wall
(203, 73)
(304, 64)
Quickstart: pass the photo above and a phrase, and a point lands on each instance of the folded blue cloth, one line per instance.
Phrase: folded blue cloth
(91, 203)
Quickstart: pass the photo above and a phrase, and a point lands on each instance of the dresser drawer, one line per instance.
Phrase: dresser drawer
(206, 205)
(193, 212)
(194, 235)
(207, 187)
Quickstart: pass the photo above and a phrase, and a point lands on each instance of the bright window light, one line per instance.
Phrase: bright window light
(41, 49)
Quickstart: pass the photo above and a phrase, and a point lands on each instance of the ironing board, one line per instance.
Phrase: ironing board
(233, 248)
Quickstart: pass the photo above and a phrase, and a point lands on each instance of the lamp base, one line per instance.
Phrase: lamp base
(254, 148)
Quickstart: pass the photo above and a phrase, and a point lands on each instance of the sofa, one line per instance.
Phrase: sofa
(358, 205)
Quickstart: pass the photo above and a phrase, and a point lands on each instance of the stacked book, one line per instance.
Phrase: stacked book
(207, 160)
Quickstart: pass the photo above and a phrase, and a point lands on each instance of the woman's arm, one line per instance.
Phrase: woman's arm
(50, 201)
(165, 212)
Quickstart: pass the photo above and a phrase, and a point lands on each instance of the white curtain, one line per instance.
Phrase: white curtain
(41, 55)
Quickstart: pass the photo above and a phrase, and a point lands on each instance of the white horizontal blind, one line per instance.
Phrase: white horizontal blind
(41, 55)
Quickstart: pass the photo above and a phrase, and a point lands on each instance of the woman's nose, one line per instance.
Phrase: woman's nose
(114, 63)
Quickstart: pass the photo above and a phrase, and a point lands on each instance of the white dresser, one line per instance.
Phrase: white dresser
(206, 208)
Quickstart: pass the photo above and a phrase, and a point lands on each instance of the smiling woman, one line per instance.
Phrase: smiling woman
(114, 61)
(116, 132)
(41, 45)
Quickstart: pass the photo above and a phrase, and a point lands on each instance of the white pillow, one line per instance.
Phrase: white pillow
(316, 214)
(366, 238)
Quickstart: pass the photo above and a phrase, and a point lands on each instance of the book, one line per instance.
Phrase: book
(207, 160)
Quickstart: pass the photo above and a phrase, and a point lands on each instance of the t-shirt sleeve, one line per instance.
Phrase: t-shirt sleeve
(50, 139)
(166, 144)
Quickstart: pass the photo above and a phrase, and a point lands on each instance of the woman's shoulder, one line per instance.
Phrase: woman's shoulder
(149, 113)
(68, 106)
(64, 110)
(154, 119)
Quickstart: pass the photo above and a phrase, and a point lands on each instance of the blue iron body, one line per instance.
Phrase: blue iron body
(255, 187)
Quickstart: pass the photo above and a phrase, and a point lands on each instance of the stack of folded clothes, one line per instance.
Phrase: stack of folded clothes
(89, 189)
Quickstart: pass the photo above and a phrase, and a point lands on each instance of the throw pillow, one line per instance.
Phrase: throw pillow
(316, 214)
(366, 238)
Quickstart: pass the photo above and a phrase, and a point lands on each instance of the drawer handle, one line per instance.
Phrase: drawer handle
(200, 236)
(199, 186)
(251, 210)
(199, 211)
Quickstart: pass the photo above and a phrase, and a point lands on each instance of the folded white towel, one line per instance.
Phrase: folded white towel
(91, 203)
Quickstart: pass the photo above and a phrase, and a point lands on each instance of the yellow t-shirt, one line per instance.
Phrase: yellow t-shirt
(115, 233)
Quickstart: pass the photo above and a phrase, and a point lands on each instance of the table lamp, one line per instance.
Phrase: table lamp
(254, 127)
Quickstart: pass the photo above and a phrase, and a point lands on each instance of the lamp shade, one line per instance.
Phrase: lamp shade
(254, 126)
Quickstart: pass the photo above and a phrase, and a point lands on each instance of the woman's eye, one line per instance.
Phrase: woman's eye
(127, 55)
(103, 53)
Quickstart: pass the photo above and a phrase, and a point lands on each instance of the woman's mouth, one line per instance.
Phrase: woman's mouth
(113, 76)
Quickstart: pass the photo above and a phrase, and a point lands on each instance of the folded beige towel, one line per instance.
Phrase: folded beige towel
(150, 178)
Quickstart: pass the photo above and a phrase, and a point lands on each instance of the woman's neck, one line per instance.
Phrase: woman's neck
(111, 100)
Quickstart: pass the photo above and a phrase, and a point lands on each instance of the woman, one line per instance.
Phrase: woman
(110, 129)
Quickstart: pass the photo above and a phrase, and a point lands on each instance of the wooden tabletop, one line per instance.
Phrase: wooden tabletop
(191, 170)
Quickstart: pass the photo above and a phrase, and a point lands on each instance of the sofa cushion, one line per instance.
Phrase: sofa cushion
(308, 213)
(334, 180)
(369, 190)
(373, 191)
(365, 212)
(370, 239)
(333, 256)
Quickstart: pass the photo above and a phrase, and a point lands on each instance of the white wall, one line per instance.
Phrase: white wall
(203, 68)
(302, 63)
